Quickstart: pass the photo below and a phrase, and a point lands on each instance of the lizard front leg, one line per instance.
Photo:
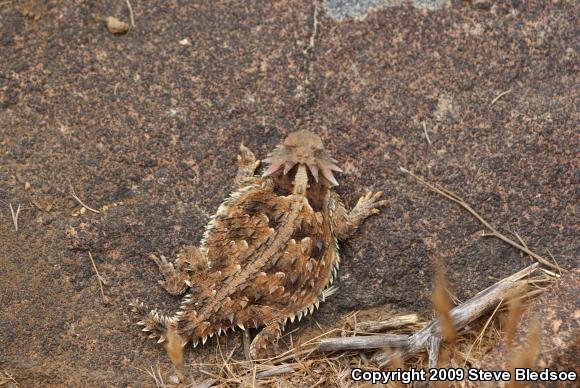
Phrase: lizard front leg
(247, 165)
(346, 222)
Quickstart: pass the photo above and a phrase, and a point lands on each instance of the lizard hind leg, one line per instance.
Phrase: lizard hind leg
(154, 322)
(175, 280)
(176, 277)
(161, 326)
(265, 338)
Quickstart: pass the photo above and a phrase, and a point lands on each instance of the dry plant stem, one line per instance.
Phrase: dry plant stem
(304, 351)
(10, 378)
(275, 371)
(555, 262)
(225, 361)
(131, 17)
(480, 336)
(458, 200)
(82, 203)
(500, 96)
(426, 134)
(552, 257)
(157, 376)
(247, 343)
(15, 215)
(207, 383)
(363, 342)
(105, 300)
(292, 354)
(390, 324)
(463, 314)
(314, 29)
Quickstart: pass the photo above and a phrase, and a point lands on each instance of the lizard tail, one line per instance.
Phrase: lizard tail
(153, 322)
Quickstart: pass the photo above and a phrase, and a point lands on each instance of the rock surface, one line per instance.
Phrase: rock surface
(146, 129)
(555, 315)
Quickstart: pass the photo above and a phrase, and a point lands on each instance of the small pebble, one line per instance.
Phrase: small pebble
(116, 26)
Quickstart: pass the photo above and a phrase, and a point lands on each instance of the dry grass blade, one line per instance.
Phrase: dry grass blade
(99, 278)
(441, 300)
(500, 96)
(225, 361)
(154, 374)
(494, 232)
(481, 333)
(314, 29)
(74, 195)
(426, 133)
(15, 215)
(515, 313)
(7, 380)
(527, 355)
(207, 383)
(555, 262)
(275, 371)
(157, 377)
(131, 17)
(443, 305)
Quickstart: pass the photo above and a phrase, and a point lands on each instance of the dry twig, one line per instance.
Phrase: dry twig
(430, 336)
(363, 342)
(433, 347)
(389, 324)
(463, 314)
(494, 232)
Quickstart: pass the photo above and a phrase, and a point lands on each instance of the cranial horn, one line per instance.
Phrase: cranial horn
(314, 170)
(327, 173)
(288, 166)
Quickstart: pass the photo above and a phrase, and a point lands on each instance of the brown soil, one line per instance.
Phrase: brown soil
(145, 127)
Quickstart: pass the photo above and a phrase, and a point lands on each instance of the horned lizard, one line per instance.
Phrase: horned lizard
(268, 255)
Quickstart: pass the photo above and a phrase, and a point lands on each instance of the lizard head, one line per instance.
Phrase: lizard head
(303, 148)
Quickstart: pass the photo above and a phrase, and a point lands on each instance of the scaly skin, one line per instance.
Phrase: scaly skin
(268, 255)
